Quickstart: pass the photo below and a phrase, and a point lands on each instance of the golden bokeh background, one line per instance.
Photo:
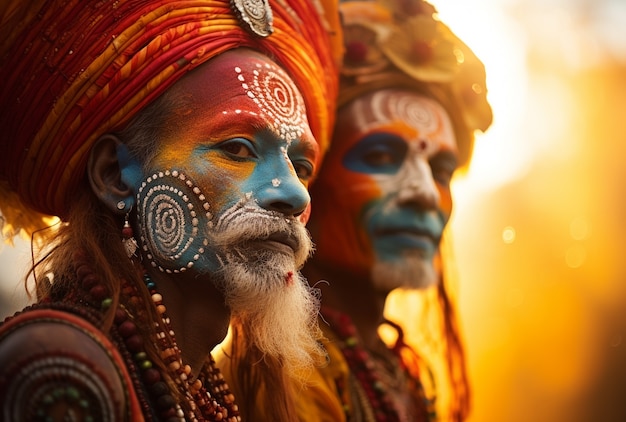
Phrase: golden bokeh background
(539, 224)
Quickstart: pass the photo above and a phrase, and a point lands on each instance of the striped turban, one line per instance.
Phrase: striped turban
(72, 70)
(403, 44)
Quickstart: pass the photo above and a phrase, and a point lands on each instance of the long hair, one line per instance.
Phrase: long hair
(96, 233)
(455, 357)
(256, 376)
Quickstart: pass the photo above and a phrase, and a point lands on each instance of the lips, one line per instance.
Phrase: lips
(406, 231)
(280, 242)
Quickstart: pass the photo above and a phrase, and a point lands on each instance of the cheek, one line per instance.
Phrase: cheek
(225, 183)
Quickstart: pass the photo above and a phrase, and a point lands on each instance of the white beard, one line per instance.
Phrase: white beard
(412, 271)
(268, 297)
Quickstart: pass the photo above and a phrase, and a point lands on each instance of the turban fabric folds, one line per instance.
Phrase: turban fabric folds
(73, 70)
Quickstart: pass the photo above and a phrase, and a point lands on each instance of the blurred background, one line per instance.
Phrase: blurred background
(539, 218)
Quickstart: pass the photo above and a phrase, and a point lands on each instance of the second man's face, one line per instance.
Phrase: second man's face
(383, 198)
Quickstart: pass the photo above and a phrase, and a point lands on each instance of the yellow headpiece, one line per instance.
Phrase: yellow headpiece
(402, 43)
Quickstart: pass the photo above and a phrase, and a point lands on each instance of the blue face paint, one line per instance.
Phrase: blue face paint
(130, 168)
(395, 229)
(378, 153)
(274, 181)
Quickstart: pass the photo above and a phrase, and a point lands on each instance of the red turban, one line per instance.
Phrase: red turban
(73, 70)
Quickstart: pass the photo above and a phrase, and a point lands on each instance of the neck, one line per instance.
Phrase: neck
(197, 313)
(352, 294)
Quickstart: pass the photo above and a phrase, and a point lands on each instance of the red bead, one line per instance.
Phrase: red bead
(127, 328)
(120, 316)
(99, 292)
(134, 343)
(356, 51)
(127, 232)
(151, 376)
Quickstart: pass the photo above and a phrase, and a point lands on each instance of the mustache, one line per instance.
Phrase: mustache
(246, 221)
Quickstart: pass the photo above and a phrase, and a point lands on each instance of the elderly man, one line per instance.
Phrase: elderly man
(175, 141)
(411, 97)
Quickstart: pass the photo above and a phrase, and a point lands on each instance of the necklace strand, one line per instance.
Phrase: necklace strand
(363, 367)
(208, 397)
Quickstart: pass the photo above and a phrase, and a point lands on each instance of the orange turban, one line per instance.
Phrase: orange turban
(402, 43)
(73, 70)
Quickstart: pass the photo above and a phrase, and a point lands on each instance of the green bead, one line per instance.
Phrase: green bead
(141, 356)
(83, 403)
(72, 393)
(351, 341)
(106, 303)
(146, 364)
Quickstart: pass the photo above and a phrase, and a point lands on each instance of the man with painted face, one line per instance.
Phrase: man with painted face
(174, 143)
(411, 96)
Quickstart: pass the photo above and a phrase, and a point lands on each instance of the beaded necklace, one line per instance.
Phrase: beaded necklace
(363, 369)
(208, 397)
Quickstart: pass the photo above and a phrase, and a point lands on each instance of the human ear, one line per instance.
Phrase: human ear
(105, 175)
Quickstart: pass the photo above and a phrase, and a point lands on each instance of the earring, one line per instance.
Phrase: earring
(128, 240)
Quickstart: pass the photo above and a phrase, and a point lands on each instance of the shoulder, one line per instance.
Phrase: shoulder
(54, 363)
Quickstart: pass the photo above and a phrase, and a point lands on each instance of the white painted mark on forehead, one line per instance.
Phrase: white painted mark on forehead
(277, 97)
(387, 107)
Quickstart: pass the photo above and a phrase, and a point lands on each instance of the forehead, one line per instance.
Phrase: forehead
(392, 106)
(402, 113)
(251, 85)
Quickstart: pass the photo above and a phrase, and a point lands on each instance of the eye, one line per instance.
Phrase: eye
(304, 169)
(238, 148)
(377, 153)
(379, 157)
(443, 166)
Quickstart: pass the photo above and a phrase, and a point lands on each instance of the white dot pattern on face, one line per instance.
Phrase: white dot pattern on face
(277, 97)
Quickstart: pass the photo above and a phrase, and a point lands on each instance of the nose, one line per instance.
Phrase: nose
(285, 194)
(418, 187)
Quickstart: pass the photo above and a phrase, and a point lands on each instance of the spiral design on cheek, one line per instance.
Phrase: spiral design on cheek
(277, 97)
(170, 210)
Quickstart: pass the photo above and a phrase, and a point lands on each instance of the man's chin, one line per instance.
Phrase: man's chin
(405, 274)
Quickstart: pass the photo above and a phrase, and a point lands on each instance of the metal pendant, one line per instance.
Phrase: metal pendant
(255, 15)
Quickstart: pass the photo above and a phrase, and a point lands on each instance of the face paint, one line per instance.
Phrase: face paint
(383, 198)
(238, 130)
